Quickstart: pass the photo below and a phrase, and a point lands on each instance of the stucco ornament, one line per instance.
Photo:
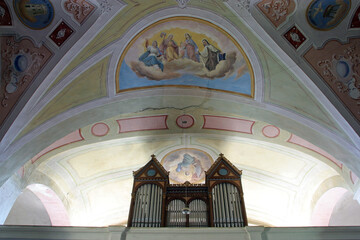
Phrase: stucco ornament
(80, 9)
(105, 6)
(244, 4)
(20, 63)
(277, 10)
(182, 3)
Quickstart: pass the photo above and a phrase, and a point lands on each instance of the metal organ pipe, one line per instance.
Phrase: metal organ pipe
(198, 214)
(147, 207)
(227, 206)
(175, 216)
(230, 205)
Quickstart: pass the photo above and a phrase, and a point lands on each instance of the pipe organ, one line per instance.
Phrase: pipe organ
(218, 202)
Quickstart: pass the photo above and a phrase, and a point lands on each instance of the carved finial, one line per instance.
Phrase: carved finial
(221, 155)
(152, 156)
(187, 183)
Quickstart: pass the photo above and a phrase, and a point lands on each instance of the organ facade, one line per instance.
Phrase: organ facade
(218, 202)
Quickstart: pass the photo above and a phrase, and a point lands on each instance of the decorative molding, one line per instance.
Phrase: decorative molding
(277, 11)
(21, 61)
(80, 9)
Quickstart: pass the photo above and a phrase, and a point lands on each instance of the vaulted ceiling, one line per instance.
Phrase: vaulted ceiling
(80, 111)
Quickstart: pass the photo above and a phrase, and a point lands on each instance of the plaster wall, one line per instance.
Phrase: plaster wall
(28, 210)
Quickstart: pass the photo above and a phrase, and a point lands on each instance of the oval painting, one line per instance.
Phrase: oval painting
(187, 164)
(327, 14)
(185, 52)
(35, 14)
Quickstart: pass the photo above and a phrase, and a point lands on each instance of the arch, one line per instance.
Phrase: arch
(175, 216)
(325, 206)
(38, 205)
(198, 216)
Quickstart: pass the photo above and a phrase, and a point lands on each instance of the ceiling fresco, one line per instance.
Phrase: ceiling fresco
(91, 88)
(185, 52)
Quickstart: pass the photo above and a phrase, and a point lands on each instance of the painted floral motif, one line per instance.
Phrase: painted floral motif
(80, 9)
(61, 34)
(20, 63)
(277, 10)
(339, 66)
(327, 14)
(295, 37)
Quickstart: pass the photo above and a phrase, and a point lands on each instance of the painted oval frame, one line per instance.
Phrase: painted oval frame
(37, 23)
(320, 11)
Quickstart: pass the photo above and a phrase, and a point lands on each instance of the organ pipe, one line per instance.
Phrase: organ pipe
(155, 202)
(228, 214)
(146, 208)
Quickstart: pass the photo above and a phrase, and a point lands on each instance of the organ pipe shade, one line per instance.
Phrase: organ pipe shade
(175, 217)
(198, 215)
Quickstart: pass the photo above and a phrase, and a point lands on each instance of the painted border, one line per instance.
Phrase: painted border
(251, 71)
(262, 130)
(229, 130)
(165, 120)
(176, 121)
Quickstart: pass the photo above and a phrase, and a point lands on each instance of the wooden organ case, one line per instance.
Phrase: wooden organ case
(218, 202)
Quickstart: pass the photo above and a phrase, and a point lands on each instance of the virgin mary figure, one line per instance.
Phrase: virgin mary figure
(190, 49)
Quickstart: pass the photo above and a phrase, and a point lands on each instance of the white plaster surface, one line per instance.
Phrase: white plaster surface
(28, 210)
(9, 191)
